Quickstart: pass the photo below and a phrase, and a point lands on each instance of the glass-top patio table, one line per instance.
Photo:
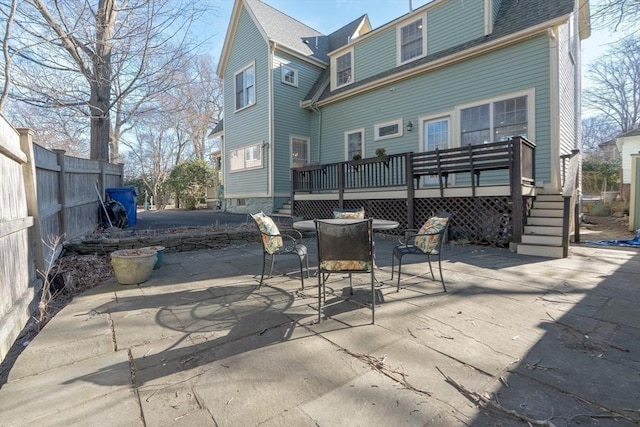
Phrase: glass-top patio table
(378, 224)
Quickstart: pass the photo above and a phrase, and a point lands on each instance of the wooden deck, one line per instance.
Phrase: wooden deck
(499, 175)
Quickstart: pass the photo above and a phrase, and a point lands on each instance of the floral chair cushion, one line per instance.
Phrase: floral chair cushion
(431, 228)
(271, 239)
(349, 215)
(345, 265)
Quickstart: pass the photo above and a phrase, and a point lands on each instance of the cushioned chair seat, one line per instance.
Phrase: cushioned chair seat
(424, 242)
(275, 243)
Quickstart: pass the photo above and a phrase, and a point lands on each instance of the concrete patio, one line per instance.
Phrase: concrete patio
(516, 340)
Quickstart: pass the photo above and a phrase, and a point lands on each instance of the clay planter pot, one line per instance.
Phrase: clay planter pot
(133, 266)
(160, 251)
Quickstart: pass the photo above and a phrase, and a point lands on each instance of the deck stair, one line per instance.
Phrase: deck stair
(542, 235)
(284, 211)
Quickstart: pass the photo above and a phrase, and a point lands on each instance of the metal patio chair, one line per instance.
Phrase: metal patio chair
(275, 243)
(344, 248)
(425, 241)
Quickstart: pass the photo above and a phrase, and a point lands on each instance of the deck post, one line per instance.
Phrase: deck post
(516, 189)
(410, 190)
(293, 191)
(341, 185)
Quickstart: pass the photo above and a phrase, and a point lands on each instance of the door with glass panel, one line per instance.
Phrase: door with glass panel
(300, 158)
(435, 135)
(299, 151)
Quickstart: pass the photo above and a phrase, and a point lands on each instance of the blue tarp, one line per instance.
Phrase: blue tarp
(635, 242)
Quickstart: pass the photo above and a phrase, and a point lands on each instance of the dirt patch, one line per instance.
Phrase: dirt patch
(596, 228)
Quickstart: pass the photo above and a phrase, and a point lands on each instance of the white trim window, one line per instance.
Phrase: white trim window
(496, 120)
(249, 157)
(343, 69)
(245, 87)
(299, 151)
(391, 129)
(289, 75)
(354, 143)
(411, 40)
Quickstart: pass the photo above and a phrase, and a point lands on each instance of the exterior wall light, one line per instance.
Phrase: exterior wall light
(409, 126)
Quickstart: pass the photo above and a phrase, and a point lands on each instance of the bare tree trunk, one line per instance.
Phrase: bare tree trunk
(100, 124)
(101, 88)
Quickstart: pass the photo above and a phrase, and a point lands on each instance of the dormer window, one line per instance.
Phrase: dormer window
(412, 40)
(343, 69)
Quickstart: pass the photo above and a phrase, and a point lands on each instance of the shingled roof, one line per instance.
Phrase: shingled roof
(289, 32)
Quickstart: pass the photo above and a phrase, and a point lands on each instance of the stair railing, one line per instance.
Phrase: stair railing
(570, 209)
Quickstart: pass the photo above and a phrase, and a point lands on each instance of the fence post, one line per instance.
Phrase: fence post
(31, 193)
(121, 174)
(102, 178)
(62, 190)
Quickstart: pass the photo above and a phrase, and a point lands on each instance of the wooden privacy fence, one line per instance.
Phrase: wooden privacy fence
(43, 194)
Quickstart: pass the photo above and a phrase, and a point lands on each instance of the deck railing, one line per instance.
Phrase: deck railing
(407, 169)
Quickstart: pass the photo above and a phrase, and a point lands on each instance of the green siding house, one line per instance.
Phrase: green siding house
(301, 107)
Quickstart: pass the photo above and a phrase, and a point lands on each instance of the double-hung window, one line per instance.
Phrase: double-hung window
(344, 69)
(494, 121)
(245, 87)
(412, 40)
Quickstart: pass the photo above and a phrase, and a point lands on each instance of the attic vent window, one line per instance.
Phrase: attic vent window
(289, 75)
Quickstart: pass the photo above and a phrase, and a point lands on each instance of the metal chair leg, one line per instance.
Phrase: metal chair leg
(441, 276)
(264, 262)
(301, 273)
(273, 259)
(399, 272)
(430, 269)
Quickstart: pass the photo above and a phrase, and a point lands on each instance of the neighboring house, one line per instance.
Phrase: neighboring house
(448, 74)
(628, 143)
(610, 149)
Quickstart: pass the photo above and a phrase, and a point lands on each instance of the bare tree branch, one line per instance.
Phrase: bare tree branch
(616, 15)
(616, 89)
(101, 58)
(6, 54)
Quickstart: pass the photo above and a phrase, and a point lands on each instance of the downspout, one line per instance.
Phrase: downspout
(319, 113)
(270, 145)
(554, 109)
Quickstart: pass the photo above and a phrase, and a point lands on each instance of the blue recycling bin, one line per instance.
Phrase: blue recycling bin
(129, 198)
